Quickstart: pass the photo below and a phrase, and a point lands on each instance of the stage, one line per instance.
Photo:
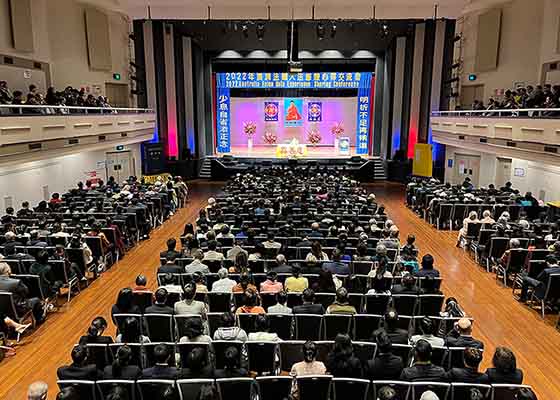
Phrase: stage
(269, 151)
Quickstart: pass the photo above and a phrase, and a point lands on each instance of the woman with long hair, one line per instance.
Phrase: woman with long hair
(131, 332)
(316, 253)
(341, 362)
(125, 304)
(121, 368)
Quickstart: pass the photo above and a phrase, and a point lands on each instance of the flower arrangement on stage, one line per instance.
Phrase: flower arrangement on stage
(270, 137)
(314, 136)
(337, 129)
(249, 128)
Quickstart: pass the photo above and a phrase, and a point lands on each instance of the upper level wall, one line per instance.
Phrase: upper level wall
(59, 35)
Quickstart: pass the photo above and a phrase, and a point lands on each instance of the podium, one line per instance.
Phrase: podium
(293, 149)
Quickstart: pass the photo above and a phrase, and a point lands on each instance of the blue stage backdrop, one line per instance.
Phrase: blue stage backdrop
(294, 116)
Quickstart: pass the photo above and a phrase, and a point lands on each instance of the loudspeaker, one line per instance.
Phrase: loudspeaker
(152, 158)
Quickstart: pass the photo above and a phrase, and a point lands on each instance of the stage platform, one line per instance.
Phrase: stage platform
(320, 152)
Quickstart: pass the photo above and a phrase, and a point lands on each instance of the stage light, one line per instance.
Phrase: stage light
(260, 31)
(320, 31)
(245, 30)
(333, 30)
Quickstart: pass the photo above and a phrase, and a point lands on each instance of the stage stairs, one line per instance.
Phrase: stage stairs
(380, 171)
(205, 171)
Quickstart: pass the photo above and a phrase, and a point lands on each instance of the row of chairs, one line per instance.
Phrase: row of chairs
(312, 387)
(169, 328)
(451, 215)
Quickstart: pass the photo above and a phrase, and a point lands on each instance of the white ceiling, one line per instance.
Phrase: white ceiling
(301, 9)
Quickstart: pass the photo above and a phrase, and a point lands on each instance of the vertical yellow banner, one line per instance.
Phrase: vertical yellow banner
(422, 163)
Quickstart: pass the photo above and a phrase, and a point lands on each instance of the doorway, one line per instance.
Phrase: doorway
(470, 93)
(503, 171)
(120, 164)
(117, 94)
(467, 166)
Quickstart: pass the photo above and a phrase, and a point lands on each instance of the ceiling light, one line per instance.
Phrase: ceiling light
(260, 31)
(245, 30)
(320, 31)
(333, 30)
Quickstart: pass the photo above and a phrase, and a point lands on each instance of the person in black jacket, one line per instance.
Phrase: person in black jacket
(170, 266)
(198, 367)
(386, 365)
(121, 368)
(461, 335)
(505, 368)
(160, 306)
(231, 365)
(125, 304)
(95, 333)
(469, 373)
(79, 369)
(427, 267)
(423, 369)
(309, 306)
(390, 327)
(171, 245)
(20, 294)
(161, 370)
(408, 286)
(341, 362)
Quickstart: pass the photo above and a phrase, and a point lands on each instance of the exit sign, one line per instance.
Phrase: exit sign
(117, 76)
(472, 77)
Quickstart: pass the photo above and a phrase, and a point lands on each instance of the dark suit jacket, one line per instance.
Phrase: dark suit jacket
(128, 372)
(315, 234)
(187, 373)
(543, 278)
(495, 376)
(283, 269)
(466, 375)
(337, 268)
(424, 273)
(96, 340)
(87, 372)
(385, 366)
(230, 373)
(170, 269)
(352, 368)
(398, 336)
(464, 341)
(309, 309)
(400, 289)
(164, 254)
(423, 372)
(160, 372)
(158, 309)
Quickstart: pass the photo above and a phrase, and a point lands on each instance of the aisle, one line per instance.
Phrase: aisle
(499, 319)
(42, 352)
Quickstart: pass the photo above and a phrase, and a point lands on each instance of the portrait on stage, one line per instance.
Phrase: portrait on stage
(271, 111)
(293, 111)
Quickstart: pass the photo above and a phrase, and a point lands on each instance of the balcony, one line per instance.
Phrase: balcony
(531, 134)
(39, 131)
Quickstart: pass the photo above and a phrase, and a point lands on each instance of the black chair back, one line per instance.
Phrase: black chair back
(142, 299)
(308, 326)
(282, 325)
(189, 389)
(99, 355)
(153, 388)
(149, 352)
(274, 387)
(462, 391)
(261, 356)
(235, 388)
(405, 304)
(377, 303)
(430, 304)
(184, 350)
(335, 324)
(159, 327)
(365, 351)
(346, 388)
(365, 325)
(290, 353)
(506, 391)
(313, 387)
(106, 386)
(85, 389)
(220, 346)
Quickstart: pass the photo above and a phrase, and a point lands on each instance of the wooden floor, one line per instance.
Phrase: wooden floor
(500, 320)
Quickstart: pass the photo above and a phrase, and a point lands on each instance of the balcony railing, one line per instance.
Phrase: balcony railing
(514, 113)
(15, 110)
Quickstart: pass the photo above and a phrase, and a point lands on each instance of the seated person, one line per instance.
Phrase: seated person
(271, 284)
(231, 368)
(228, 330)
(95, 332)
(309, 306)
(161, 369)
(47, 280)
(168, 283)
(197, 265)
(280, 307)
(121, 368)
(341, 362)
(171, 245)
(469, 373)
(160, 304)
(194, 332)
(170, 267)
(35, 241)
(212, 254)
(409, 249)
(281, 266)
(296, 283)
(407, 286)
(504, 368)
(427, 269)
(539, 284)
(427, 328)
(362, 253)
(461, 335)
(141, 284)
(20, 294)
(390, 327)
(270, 243)
(317, 253)
(236, 249)
(189, 305)
(125, 304)
(80, 369)
(245, 283)
(341, 303)
(131, 332)
(250, 304)
(262, 331)
(336, 266)
(223, 284)
(423, 369)
(309, 366)
(200, 282)
(386, 365)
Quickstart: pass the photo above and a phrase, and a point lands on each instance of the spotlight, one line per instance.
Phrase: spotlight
(245, 30)
(333, 30)
(260, 31)
(384, 30)
(320, 31)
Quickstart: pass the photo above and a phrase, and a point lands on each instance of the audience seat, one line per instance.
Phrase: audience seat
(105, 386)
(440, 389)
(313, 387)
(462, 391)
(189, 389)
(86, 389)
(235, 388)
(149, 359)
(274, 387)
(153, 388)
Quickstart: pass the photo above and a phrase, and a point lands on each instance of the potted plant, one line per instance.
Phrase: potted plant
(337, 130)
(270, 137)
(314, 136)
(249, 128)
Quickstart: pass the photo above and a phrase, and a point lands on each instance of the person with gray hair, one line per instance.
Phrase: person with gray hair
(20, 294)
(224, 284)
(513, 245)
(429, 395)
(315, 233)
(282, 266)
(37, 391)
(487, 218)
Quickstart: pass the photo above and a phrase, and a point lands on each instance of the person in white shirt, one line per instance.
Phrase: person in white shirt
(197, 265)
(224, 284)
(271, 243)
(280, 307)
(427, 329)
(225, 233)
(212, 254)
(262, 325)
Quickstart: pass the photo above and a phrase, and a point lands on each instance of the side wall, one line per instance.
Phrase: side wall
(59, 33)
(59, 174)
